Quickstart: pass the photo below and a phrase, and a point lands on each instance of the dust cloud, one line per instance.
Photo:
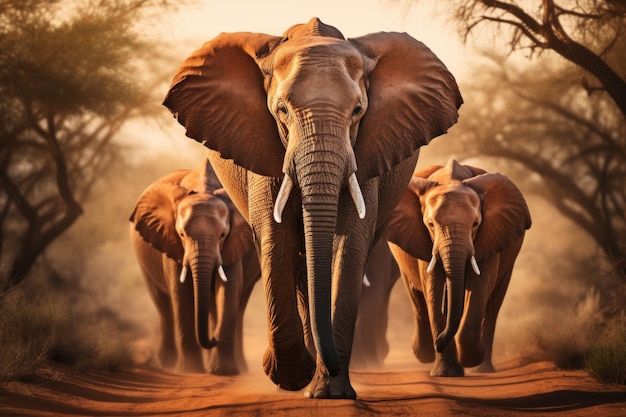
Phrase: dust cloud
(550, 287)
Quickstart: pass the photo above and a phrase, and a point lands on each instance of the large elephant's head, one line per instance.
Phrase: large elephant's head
(201, 231)
(462, 216)
(321, 111)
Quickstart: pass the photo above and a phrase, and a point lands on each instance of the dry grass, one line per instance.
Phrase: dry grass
(567, 336)
(606, 359)
(585, 339)
(35, 329)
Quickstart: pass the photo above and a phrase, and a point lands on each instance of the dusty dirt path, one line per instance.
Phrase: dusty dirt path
(533, 389)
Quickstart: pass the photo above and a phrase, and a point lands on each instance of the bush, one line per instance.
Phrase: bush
(36, 329)
(25, 331)
(568, 335)
(606, 359)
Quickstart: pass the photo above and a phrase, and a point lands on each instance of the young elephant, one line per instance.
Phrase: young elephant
(197, 256)
(455, 235)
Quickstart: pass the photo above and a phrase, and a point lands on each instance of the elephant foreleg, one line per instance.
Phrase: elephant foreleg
(505, 270)
(227, 297)
(167, 344)
(302, 294)
(240, 358)
(423, 347)
(480, 289)
(446, 362)
(251, 274)
(287, 361)
(422, 343)
(189, 351)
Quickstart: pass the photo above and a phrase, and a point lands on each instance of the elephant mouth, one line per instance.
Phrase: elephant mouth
(185, 271)
(433, 262)
(287, 185)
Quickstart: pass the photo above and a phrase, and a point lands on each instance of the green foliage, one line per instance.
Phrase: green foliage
(606, 359)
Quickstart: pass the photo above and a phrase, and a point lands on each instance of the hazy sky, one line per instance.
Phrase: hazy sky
(197, 23)
(353, 18)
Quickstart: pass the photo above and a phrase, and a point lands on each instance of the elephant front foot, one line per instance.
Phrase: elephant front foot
(485, 368)
(224, 370)
(224, 365)
(168, 357)
(424, 352)
(325, 386)
(291, 375)
(447, 368)
(188, 366)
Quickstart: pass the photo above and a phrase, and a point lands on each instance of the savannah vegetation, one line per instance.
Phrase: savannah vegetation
(544, 105)
(69, 78)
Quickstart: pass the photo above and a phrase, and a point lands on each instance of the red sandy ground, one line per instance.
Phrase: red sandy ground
(518, 389)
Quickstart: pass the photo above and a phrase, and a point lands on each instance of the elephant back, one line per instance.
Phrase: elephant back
(202, 180)
(453, 171)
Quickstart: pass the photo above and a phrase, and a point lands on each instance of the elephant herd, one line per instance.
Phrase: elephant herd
(310, 186)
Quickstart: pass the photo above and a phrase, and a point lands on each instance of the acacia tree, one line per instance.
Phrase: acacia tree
(563, 119)
(538, 117)
(69, 82)
(584, 32)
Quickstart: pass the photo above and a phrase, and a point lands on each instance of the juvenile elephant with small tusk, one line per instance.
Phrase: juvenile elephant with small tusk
(455, 235)
(315, 137)
(197, 256)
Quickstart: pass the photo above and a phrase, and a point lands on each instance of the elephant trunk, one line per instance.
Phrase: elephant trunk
(454, 258)
(203, 273)
(320, 186)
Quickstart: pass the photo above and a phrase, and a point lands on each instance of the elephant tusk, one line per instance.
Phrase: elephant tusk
(366, 281)
(282, 197)
(357, 195)
(222, 274)
(183, 274)
(474, 265)
(431, 265)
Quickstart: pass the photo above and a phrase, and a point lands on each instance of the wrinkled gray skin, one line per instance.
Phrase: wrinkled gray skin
(456, 234)
(315, 138)
(186, 219)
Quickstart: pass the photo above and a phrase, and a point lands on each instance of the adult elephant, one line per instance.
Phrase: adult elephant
(306, 131)
(370, 346)
(456, 234)
(197, 256)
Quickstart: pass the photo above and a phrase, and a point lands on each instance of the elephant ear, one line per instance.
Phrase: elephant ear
(219, 96)
(239, 240)
(406, 227)
(154, 218)
(505, 214)
(413, 98)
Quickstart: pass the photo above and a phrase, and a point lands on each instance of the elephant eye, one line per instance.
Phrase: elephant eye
(281, 109)
(475, 224)
(357, 110)
(223, 235)
(431, 225)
